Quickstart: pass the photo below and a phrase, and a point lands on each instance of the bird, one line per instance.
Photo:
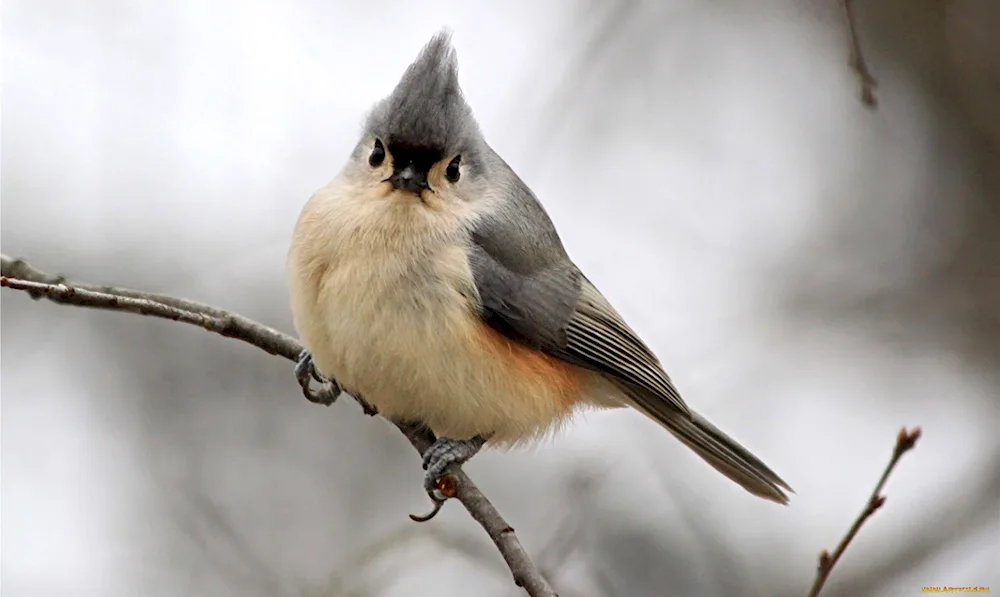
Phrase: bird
(427, 280)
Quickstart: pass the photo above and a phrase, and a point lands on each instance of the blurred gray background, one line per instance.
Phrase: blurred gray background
(813, 274)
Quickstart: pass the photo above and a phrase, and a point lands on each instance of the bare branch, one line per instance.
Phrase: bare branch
(96, 296)
(868, 82)
(17, 274)
(905, 442)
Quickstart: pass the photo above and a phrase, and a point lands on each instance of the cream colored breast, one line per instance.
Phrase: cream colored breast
(382, 295)
(355, 258)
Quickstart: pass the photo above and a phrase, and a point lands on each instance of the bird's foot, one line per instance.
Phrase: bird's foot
(305, 372)
(443, 453)
(327, 394)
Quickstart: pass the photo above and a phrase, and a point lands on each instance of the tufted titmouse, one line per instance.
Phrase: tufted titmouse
(428, 280)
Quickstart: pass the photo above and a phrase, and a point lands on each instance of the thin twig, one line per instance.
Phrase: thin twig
(857, 59)
(17, 274)
(905, 442)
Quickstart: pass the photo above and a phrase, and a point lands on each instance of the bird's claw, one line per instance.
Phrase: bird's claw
(443, 453)
(305, 372)
(425, 517)
(327, 394)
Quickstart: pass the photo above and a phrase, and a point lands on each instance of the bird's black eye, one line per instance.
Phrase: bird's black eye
(378, 154)
(452, 170)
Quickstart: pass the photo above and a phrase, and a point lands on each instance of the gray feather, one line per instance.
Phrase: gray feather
(532, 292)
(426, 109)
(599, 334)
(527, 285)
(727, 456)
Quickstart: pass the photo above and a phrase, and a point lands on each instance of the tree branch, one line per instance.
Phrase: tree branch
(17, 274)
(868, 82)
(905, 442)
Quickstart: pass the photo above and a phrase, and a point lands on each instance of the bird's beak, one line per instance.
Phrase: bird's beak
(409, 179)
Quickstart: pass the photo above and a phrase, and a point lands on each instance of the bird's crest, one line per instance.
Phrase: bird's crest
(426, 109)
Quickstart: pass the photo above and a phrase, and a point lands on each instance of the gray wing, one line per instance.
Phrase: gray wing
(531, 292)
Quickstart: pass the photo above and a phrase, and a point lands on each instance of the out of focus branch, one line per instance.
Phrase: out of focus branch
(868, 82)
(19, 275)
(905, 442)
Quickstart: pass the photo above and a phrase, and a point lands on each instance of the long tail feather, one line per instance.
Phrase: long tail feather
(724, 453)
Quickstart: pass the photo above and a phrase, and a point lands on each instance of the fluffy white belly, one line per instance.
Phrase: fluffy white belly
(382, 294)
(399, 328)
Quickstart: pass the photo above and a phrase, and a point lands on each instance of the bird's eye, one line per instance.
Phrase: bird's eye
(378, 154)
(452, 171)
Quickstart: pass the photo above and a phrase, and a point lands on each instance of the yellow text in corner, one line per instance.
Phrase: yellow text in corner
(955, 590)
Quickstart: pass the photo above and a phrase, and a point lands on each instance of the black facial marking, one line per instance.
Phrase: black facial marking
(420, 158)
(410, 166)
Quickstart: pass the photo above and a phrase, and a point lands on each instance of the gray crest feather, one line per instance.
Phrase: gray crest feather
(426, 108)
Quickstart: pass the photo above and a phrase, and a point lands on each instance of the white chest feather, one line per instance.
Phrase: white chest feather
(382, 295)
